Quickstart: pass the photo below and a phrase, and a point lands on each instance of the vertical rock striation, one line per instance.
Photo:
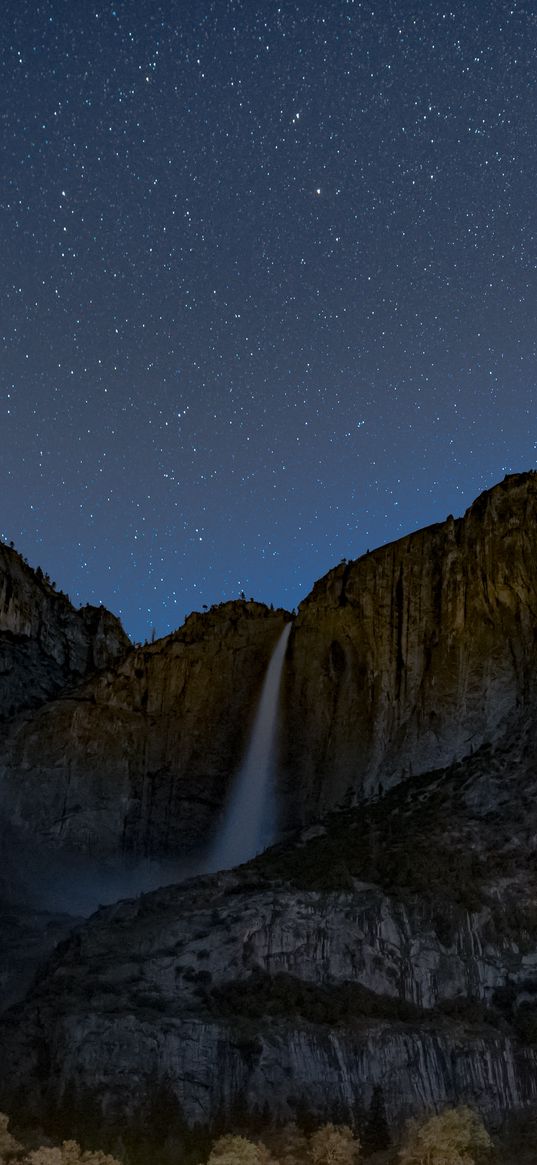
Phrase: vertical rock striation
(224, 993)
(414, 655)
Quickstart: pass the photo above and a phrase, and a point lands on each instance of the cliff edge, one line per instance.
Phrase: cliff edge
(45, 643)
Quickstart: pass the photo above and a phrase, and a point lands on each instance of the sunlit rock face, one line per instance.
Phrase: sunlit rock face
(45, 644)
(412, 656)
(138, 760)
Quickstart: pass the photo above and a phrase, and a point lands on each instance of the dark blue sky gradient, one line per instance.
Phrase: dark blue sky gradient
(269, 286)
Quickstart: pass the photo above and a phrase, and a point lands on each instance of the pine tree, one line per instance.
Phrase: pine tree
(376, 1131)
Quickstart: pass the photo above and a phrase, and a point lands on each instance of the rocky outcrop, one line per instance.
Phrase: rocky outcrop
(393, 943)
(28, 937)
(398, 663)
(138, 760)
(45, 644)
(413, 655)
(240, 988)
(214, 1068)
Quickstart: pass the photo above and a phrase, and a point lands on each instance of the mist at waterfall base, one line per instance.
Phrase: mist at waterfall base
(54, 881)
(78, 885)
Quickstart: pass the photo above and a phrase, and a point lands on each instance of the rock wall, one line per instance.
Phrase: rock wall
(27, 938)
(213, 1068)
(130, 1001)
(414, 655)
(138, 760)
(398, 663)
(45, 644)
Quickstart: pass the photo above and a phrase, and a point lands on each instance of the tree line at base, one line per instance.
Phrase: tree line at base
(455, 1136)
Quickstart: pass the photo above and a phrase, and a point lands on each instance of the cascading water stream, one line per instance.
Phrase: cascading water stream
(250, 820)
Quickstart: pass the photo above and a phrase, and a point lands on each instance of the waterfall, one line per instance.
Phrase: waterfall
(250, 820)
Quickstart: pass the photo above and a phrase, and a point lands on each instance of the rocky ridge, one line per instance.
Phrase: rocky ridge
(45, 644)
(393, 943)
(46, 648)
(412, 656)
(398, 663)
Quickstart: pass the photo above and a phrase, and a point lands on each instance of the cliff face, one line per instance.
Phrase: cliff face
(45, 644)
(414, 655)
(398, 663)
(138, 759)
(27, 938)
(395, 943)
(250, 986)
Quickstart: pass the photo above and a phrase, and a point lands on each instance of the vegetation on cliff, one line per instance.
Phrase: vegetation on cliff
(433, 836)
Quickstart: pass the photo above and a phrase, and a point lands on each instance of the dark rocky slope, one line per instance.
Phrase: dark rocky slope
(45, 644)
(397, 946)
(28, 936)
(46, 647)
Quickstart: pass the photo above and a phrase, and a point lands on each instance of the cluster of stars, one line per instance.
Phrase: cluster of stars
(269, 275)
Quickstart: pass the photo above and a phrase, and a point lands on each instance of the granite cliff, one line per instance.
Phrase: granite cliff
(392, 938)
(414, 655)
(394, 945)
(45, 644)
(398, 663)
(46, 647)
(137, 760)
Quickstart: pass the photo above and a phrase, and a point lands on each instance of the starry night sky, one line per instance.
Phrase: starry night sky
(269, 286)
